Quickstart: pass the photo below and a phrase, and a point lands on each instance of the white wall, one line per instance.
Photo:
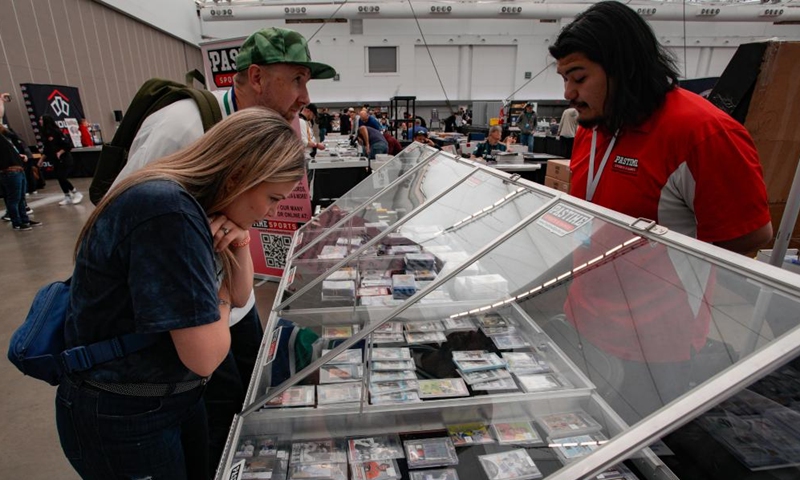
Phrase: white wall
(175, 17)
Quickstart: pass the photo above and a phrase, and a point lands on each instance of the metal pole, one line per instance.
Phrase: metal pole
(787, 222)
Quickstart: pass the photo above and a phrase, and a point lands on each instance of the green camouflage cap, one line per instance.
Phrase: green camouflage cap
(279, 45)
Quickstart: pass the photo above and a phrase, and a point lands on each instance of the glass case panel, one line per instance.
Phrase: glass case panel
(381, 178)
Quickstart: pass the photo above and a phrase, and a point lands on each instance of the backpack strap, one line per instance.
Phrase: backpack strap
(79, 359)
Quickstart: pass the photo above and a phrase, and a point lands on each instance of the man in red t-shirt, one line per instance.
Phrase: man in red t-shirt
(647, 148)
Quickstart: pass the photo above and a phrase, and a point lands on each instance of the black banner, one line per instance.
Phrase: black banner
(60, 102)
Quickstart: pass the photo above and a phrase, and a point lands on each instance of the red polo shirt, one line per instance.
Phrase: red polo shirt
(693, 169)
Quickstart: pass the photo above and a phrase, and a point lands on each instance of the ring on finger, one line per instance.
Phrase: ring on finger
(225, 230)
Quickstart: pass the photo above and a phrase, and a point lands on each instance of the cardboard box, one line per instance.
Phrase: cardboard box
(559, 170)
(556, 183)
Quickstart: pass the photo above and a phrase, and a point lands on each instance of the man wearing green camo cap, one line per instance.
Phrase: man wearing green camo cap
(273, 67)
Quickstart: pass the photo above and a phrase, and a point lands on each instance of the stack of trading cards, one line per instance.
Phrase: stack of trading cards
(374, 292)
(391, 365)
(443, 388)
(340, 394)
(468, 361)
(460, 324)
(333, 252)
(339, 332)
(430, 452)
(474, 379)
(391, 376)
(525, 363)
(425, 337)
(571, 448)
(338, 290)
(437, 474)
(565, 424)
(297, 396)
(340, 373)
(422, 276)
(383, 354)
(389, 332)
(263, 457)
(516, 433)
(513, 465)
(509, 342)
(494, 324)
(617, 472)
(420, 261)
(376, 470)
(542, 382)
(425, 326)
(318, 471)
(369, 449)
(376, 278)
(348, 357)
(403, 286)
(466, 434)
(376, 377)
(319, 451)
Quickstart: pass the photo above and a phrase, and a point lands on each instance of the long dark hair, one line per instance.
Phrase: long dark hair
(49, 126)
(640, 71)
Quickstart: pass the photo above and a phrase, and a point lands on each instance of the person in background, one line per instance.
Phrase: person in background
(648, 148)
(345, 122)
(22, 147)
(147, 261)
(86, 134)
(553, 126)
(421, 136)
(57, 151)
(307, 115)
(526, 122)
(484, 149)
(394, 146)
(274, 67)
(369, 120)
(450, 123)
(567, 128)
(373, 141)
(12, 178)
(324, 120)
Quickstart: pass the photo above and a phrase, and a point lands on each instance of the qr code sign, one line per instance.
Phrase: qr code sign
(276, 246)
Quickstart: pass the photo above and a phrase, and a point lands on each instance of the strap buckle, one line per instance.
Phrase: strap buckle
(77, 359)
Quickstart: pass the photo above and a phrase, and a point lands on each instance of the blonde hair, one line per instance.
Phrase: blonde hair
(251, 146)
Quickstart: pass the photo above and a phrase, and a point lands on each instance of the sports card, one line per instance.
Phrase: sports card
(297, 396)
(339, 393)
(376, 377)
(500, 385)
(459, 324)
(391, 365)
(401, 353)
(509, 342)
(382, 338)
(379, 447)
(570, 448)
(340, 331)
(263, 468)
(442, 388)
(377, 470)
(340, 373)
(487, 361)
(526, 362)
(319, 451)
(539, 383)
(484, 375)
(258, 446)
(429, 326)
(513, 465)
(318, 471)
(389, 327)
(410, 396)
(425, 337)
(351, 357)
(521, 433)
(430, 452)
(492, 320)
(469, 434)
(437, 474)
(568, 423)
(383, 388)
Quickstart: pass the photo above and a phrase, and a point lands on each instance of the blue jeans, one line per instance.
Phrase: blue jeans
(322, 132)
(377, 148)
(14, 186)
(527, 139)
(105, 435)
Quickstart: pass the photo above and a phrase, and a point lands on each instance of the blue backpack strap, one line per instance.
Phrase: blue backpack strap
(83, 358)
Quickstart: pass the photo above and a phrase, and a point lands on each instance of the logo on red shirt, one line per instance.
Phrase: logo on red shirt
(626, 165)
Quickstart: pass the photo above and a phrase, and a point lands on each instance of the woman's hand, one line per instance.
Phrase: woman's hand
(225, 232)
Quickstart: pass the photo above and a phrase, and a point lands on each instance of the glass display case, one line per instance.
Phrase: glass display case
(447, 320)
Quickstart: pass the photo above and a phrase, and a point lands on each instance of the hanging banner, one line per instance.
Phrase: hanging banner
(219, 61)
(61, 102)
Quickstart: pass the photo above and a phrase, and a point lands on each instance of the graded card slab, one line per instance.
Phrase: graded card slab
(340, 373)
(389, 327)
(539, 383)
(487, 361)
(348, 357)
(568, 423)
(570, 448)
(501, 385)
(318, 471)
(338, 331)
(376, 377)
(410, 396)
(401, 353)
(382, 338)
(437, 474)
(513, 465)
(459, 324)
(442, 388)
(426, 337)
(493, 320)
(429, 326)
(264, 468)
(521, 433)
(493, 331)
(339, 393)
(617, 472)
(391, 365)
(319, 451)
(484, 376)
(346, 273)
(258, 446)
(509, 342)
(469, 434)
(377, 470)
(380, 447)
(430, 452)
(297, 396)
(526, 362)
(383, 388)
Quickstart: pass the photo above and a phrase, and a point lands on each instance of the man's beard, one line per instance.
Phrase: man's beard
(590, 123)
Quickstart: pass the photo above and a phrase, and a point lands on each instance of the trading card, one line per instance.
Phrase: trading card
(469, 434)
(331, 252)
(570, 448)
(513, 465)
(437, 474)
(389, 327)
(339, 331)
(476, 363)
(339, 393)
(319, 451)
(568, 423)
(460, 324)
(617, 472)
(376, 377)
(338, 290)
(430, 452)
(376, 283)
(374, 291)
(422, 275)
(383, 388)
(425, 337)
(258, 468)
(427, 326)
(402, 353)
(509, 342)
(383, 338)
(442, 387)
(493, 331)
(346, 273)
(493, 320)
(377, 470)
(500, 385)
(379, 447)
(340, 373)
(521, 433)
(526, 362)
(539, 382)
(348, 357)
(391, 365)
(484, 375)
(353, 241)
(396, 397)
(261, 446)
(297, 396)
(319, 471)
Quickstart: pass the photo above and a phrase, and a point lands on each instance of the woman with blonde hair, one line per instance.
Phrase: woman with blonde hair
(165, 253)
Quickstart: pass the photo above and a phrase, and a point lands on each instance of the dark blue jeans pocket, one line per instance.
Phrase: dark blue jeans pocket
(65, 423)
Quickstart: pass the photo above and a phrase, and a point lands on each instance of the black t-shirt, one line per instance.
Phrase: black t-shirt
(324, 121)
(146, 266)
(9, 155)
